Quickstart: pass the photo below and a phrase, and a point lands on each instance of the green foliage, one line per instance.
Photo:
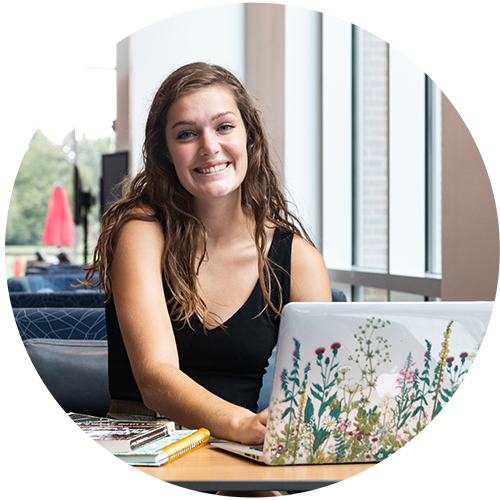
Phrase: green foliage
(339, 454)
(44, 164)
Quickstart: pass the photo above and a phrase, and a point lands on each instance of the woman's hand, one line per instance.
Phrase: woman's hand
(251, 428)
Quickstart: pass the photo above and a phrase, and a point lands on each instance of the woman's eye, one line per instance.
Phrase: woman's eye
(225, 127)
(185, 135)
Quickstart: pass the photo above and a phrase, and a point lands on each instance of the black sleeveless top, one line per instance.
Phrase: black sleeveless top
(230, 362)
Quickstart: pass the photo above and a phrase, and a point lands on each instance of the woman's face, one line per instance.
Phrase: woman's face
(206, 140)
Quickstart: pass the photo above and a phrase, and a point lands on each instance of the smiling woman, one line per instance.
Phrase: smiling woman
(206, 144)
(197, 261)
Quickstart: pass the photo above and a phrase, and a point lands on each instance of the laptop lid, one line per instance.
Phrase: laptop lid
(354, 382)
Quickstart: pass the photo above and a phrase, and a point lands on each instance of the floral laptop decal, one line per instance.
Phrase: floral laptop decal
(355, 382)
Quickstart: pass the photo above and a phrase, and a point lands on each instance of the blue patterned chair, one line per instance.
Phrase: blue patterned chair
(49, 282)
(338, 296)
(50, 323)
(65, 269)
(55, 361)
(56, 299)
(42, 267)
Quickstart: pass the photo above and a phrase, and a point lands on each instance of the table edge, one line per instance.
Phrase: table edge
(293, 485)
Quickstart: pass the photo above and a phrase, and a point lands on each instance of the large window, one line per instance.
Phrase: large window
(387, 245)
(60, 104)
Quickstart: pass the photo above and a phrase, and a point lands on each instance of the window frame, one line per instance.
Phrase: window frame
(426, 283)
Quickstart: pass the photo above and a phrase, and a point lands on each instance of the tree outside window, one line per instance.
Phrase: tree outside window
(59, 108)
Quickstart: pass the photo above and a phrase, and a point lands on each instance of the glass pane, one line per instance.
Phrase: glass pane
(39, 41)
(33, 160)
(52, 94)
(95, 42)
(370, 150)
(406, 166)
(433, 153)
(343, 287)
(368, 294)
(95, 112)
(405, 297)
(95, 103)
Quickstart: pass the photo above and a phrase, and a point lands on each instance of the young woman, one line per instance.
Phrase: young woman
(197, 261)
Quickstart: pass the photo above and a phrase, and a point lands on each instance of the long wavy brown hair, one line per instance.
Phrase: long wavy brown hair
(157, 189)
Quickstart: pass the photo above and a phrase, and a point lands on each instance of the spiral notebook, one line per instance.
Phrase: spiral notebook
(354, 382)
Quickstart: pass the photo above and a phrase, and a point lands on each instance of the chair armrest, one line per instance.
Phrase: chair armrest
(74, 371)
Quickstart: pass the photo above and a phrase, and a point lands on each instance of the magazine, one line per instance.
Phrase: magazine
(121, 435)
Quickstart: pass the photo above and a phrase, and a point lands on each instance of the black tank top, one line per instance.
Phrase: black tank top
(230, 362)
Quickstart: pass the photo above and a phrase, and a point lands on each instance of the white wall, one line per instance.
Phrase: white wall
(303, 116)
(214, 35)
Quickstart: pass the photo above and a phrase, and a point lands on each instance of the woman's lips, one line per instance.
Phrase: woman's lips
(212, 170)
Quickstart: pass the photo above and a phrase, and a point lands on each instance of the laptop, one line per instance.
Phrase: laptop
(354, 382)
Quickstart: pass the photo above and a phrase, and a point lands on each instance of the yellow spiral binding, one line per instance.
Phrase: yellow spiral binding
(187, 444)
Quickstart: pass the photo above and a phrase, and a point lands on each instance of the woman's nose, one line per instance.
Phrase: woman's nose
(208, 144)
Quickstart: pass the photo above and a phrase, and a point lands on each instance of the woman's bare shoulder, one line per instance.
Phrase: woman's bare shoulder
(141, 229)
(138, 251)
(304, 254)
(309, 274)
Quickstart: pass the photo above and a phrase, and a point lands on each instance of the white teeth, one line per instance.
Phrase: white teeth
(211, 170)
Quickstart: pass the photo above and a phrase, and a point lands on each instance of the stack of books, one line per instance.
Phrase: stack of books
(141, 443)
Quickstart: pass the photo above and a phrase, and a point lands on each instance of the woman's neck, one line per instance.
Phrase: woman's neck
(224, 219)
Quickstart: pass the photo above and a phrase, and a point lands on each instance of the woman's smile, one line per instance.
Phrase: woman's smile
(207, 143)
(212, 169)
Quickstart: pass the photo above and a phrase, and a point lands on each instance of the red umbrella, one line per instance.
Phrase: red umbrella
(59, 228)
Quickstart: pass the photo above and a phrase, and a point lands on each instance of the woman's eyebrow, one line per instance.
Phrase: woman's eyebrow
(219, 115)
(183, 122)
(190, 122)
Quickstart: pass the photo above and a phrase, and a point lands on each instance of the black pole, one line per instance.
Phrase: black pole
(87, 201)
(85, 234)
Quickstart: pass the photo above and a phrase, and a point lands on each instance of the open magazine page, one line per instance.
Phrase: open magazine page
(86, 433)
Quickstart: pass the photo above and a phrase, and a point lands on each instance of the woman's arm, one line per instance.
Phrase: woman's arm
(309, 276)
(137, 288)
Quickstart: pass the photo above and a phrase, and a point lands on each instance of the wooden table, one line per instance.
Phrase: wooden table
(211, 469)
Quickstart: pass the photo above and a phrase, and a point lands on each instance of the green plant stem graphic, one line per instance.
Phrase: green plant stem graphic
(306, 424)
(291, 393)
(371, 351)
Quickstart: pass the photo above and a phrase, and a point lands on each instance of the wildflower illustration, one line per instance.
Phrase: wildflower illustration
(372, 351)
(320, 424)
(405, 398)
(292, 389)
(326, 415)
(423, 388)
(439, 372)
